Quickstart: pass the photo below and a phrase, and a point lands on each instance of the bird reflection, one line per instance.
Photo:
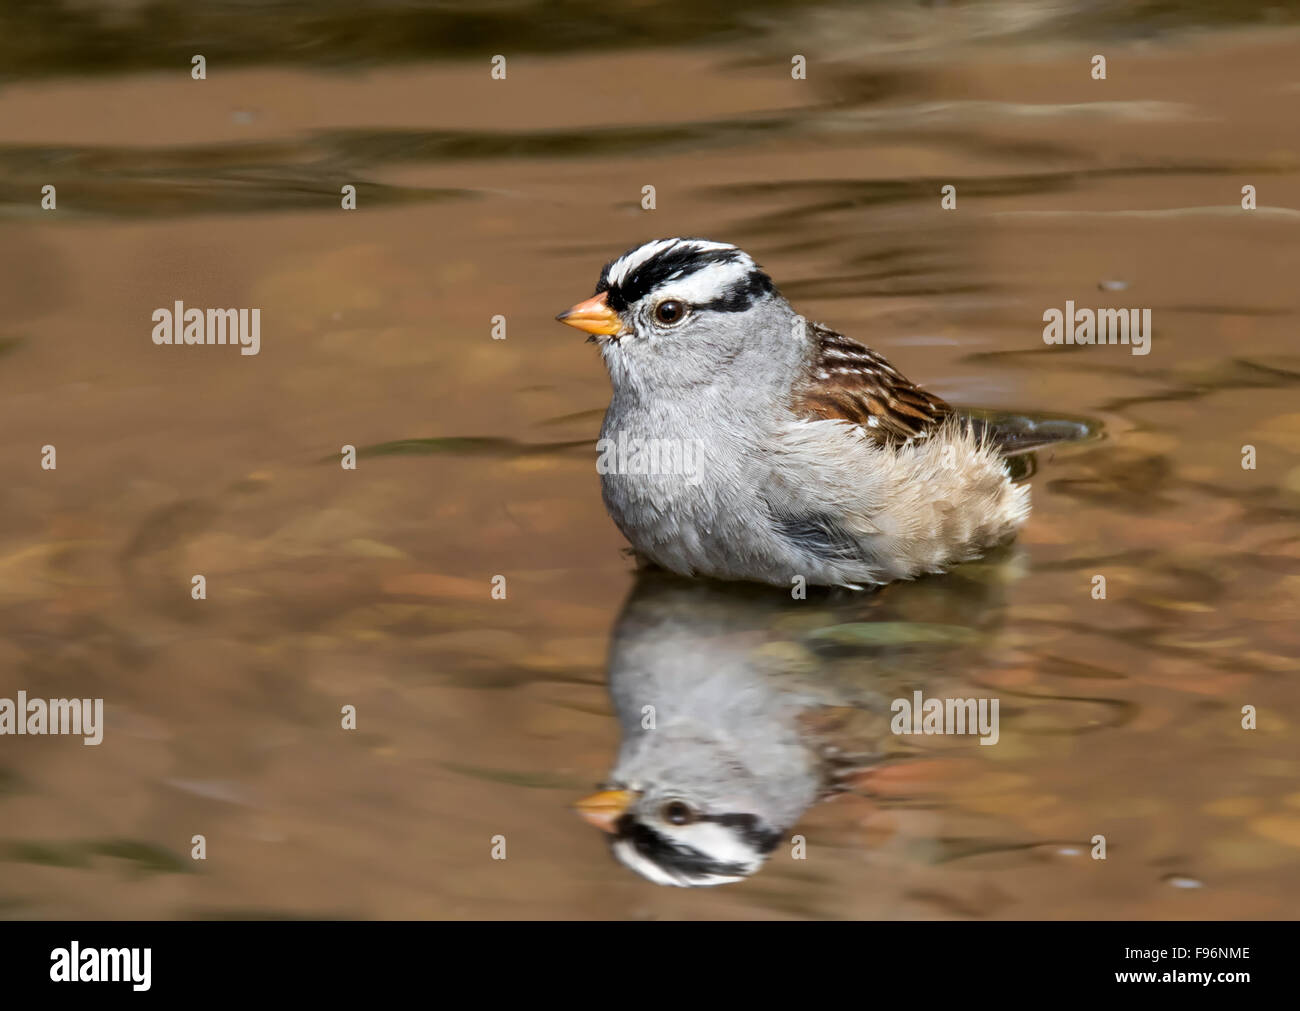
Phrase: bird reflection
(735, 720)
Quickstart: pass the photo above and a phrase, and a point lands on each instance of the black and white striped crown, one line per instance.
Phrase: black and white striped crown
(708, 275)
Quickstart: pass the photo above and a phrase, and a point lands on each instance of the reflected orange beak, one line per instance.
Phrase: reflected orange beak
(594, 316)
(604, 809)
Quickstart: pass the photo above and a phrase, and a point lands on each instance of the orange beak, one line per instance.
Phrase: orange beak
(594, 316)
(604, 809)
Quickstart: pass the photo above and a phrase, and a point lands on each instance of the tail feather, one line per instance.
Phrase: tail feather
(1017, 434)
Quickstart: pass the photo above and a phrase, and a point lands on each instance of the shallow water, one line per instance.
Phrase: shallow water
(479, 717)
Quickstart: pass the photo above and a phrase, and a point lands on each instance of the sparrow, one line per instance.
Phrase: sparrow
(721, 749)
(766, 447)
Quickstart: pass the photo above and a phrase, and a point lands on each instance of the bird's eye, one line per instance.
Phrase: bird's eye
(670, 311)
(675, 812)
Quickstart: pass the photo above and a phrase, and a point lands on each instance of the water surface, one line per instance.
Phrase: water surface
(479, 717)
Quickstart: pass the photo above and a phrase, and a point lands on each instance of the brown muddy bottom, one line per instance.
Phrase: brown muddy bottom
(478, 717)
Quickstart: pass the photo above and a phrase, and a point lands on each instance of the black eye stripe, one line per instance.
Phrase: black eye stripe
(742, 295)
(763, 840)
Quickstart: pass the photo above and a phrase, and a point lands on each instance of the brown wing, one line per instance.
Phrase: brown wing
(848, 381)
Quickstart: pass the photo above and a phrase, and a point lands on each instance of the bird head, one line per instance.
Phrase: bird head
(675, 312)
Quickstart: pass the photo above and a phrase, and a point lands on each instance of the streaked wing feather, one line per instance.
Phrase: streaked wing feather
(850, 382)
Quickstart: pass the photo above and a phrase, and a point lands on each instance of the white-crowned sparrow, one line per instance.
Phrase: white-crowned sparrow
(718, 758)
(739, 708)
(766, 447)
